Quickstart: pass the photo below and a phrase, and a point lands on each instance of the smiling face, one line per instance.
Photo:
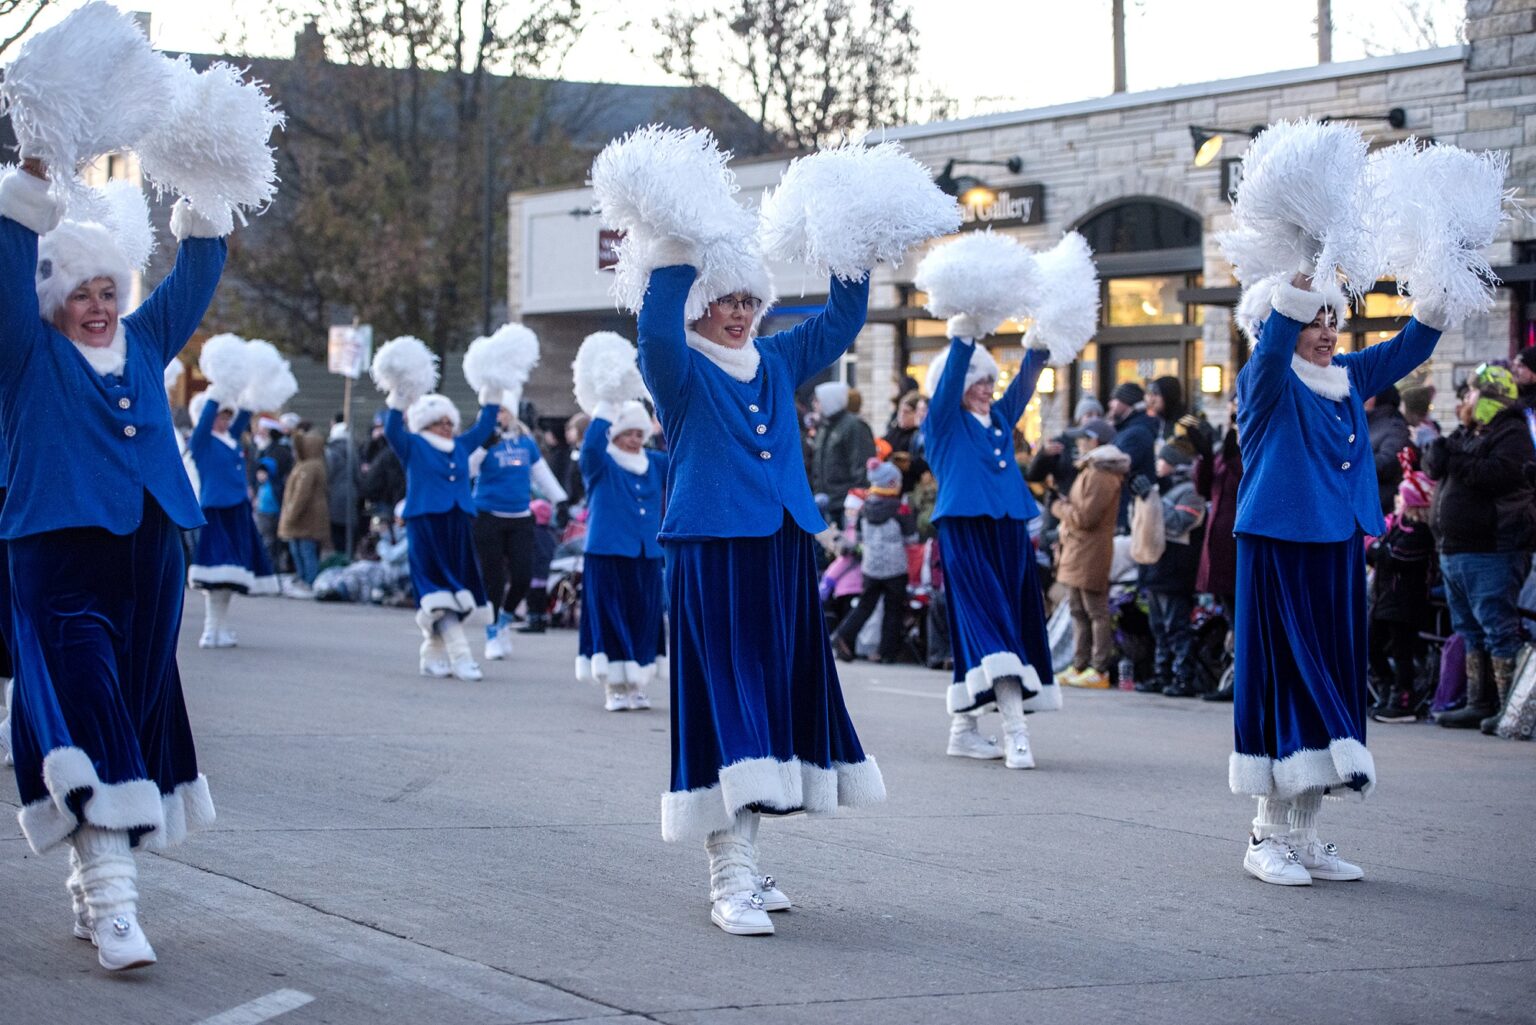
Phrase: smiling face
(89, 314)
(630, 441)
(442, 427)
(729, 320)
(1319, 339)
(978, 397)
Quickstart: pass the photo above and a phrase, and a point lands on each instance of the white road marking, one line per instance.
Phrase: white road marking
(905, 692)
(261, 1009)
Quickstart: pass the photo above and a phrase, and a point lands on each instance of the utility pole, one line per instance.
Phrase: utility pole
(1325, 31)
(1117, 17)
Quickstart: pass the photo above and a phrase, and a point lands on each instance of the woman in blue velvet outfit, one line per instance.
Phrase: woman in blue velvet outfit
(439, 521)
(621, 587)
(97, 499)
(758, 721)
(995, 609)
(1307, 499)
(230, 557)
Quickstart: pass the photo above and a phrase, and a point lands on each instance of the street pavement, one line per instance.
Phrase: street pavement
(395, 849)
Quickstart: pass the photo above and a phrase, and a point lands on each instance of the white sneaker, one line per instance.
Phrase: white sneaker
(742, 914)
(82, 926)
(466, 669)
(616, 699)
(227, 639)
(1322, 861)
(498, 645)
(637, 700)
(434, 661)
(209, 639)
(1016, 752)
(773, 898)
(973, 745)
(121, 944)
(1275, 861)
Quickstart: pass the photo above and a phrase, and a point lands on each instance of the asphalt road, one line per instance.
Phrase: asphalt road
(396, 849)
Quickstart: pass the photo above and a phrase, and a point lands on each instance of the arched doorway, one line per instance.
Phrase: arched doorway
(1148, 251)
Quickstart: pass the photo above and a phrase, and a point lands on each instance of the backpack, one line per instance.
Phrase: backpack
(1147, 538)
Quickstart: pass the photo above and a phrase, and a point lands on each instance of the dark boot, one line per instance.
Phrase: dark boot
(1480, 695)
(1503, 679)
(537, 624)
(1396, 707)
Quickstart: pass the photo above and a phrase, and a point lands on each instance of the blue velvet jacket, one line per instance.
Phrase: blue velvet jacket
(437, 481)
(1308, 470)
(84, 447)
(974, 464)
(736, 466)
(623, 508)
(220, 467)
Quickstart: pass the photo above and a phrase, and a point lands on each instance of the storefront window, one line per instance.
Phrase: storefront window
(1137, 301)
(1140, 371)
(1383, 304)
(1088, 369)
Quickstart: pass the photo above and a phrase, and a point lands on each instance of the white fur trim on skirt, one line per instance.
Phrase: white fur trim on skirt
(598, 669)
(461, 602)
(236, 577)
(962, 696)
(131, 805)
(1302, 771)
(791, 785)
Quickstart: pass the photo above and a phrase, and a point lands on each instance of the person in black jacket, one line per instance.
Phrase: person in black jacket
(1399, 604)
(381, 481)
(1390, 433)
(1136, 434)
(1169, 583)
(1484, 520)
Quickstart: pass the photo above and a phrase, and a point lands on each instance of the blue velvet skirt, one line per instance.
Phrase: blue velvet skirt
(758, 719)
(98, 722)
(996, 612)
(230, 553)
(621, 614)
(1299, 694)
(445, 573)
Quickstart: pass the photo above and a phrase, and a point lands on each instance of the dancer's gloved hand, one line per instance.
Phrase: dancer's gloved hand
(491, 396)
(672, 252)
(963, 325)
(400, 400)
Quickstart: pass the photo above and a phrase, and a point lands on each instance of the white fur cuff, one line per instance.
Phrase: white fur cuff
(1298, 304)
(606, 411)
(963, 325)
(399, 401)
(26, 199)
(489, 396)
(1431, 316)
(189, 223)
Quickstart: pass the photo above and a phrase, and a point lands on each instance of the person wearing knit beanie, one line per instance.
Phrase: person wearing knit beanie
(883, 526)
(1399, 600)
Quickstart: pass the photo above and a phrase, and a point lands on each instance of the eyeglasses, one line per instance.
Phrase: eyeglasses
(742, 303)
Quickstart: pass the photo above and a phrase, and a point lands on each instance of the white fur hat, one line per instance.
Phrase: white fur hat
(633, 416)
(833, 396)
(76, 252)
(753, 280)
(982, 366)
(429, 409)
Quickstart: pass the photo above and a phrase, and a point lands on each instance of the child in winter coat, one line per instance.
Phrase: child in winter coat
(305, 522)
(841, 583)
(1087, 519)
(885, 527)
(1169, 583)
(1400, 597)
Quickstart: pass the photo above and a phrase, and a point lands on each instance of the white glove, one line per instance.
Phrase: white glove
(1431, 315)
(1297, 303)
(606, 411)
(400, 400)
(671, 252)
(490, 396)
(27, 200)
(189, 223)
(963, 325)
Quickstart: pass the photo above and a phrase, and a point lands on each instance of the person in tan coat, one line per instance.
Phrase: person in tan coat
(305, 522)
(1088, 515)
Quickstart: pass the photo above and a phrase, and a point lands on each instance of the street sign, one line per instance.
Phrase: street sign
(350, 349)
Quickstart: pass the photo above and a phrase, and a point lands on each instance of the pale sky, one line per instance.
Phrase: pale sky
(994, 56)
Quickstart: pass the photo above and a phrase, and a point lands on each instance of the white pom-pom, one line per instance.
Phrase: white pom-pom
(405, 366)
(983, 275)
(846, 209)
(1065, 305)
(174, 371)
(223, 362)
(119, 207)
(271, 382)
(215, 147)
(1433, 210)
(502, 361)
(605, 370)
(670, 192)
(1299, 206)
(87, 86)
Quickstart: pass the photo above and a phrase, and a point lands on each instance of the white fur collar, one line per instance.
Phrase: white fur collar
(438, 442)
(1331, 382)
(985, 421)
(635, 462)
(106, 360)
(225, 437)
(739, 363)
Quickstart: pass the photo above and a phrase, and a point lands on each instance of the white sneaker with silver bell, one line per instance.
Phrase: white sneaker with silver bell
(638, 702)
(1322, 861)
(1275, 861)
(742, 914)
(121, 944)
(773, 898)
(973, 745)
(434, 661)
(615, 697)
(467, 669)
(1016, 752)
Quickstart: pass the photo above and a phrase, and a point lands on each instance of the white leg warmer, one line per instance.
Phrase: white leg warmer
(732, 865)
(6, 747)
(1273, 818)
(961, 723)
(75, 885)
(1010, 702)
(454, 638)
(107, 872)
(1303, 815)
